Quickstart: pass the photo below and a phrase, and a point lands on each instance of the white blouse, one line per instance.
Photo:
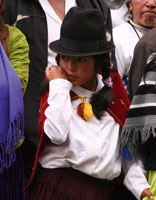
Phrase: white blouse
(91, 147)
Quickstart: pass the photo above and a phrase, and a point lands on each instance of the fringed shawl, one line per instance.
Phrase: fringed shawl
(140, 124)
(11, 111)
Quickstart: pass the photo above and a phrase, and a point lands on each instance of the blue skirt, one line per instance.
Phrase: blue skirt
(12, 180)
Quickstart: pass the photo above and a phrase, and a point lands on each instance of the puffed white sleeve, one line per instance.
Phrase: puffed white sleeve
(59, 112)
(135, 179)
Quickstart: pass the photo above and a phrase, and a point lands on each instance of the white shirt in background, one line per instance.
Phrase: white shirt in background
(54, 25)
(120, 15)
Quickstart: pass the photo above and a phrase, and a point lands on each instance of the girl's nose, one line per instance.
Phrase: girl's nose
(71, 66)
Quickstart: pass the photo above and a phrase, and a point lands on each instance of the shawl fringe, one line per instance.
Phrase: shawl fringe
(138, 133)
(130, 137)
(7, 150)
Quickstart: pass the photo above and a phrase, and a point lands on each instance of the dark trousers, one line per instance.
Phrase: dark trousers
(28, 153)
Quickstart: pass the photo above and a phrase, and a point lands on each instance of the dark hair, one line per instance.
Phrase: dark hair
(127, 3)
(4, 33)
(101, 100)
(129, 11)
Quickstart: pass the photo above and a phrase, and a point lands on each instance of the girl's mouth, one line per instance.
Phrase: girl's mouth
(71, 77)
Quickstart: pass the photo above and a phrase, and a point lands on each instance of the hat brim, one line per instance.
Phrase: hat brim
(57, 48)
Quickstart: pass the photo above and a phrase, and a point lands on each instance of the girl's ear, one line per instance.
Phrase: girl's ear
(130, 8)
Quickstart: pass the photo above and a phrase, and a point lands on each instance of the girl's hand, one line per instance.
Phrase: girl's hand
(147, 193)
(55, 72)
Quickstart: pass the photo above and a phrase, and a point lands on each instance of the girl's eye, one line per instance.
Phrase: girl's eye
(64, 57)
(81, 59)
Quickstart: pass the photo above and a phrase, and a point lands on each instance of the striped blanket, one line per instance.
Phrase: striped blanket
(140, 124)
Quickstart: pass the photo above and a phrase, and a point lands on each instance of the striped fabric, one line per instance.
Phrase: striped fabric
(140, 124)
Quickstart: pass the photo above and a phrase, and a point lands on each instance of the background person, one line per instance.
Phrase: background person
(13, 79)
(142, 71)
(144, 48)
(138, 133)
(125, 36)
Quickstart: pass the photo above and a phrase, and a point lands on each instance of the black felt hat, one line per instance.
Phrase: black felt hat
(83, 33)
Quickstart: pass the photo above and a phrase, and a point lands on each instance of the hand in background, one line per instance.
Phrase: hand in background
(147, 194)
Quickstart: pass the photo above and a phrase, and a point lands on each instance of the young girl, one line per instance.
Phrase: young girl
(80, 117)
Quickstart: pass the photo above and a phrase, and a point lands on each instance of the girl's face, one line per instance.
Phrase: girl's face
(81, 71)
(144, 12)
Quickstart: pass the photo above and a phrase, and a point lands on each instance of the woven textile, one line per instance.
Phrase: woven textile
(11, 108)
(140, 125)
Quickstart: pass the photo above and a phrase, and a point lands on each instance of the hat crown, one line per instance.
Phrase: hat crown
(83, 33)
(83, 25)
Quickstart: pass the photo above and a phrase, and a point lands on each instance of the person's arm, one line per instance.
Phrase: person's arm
(135, 180)
(19, 54)
(59, 112)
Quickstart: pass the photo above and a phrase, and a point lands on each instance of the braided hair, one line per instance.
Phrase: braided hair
(101, 100)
